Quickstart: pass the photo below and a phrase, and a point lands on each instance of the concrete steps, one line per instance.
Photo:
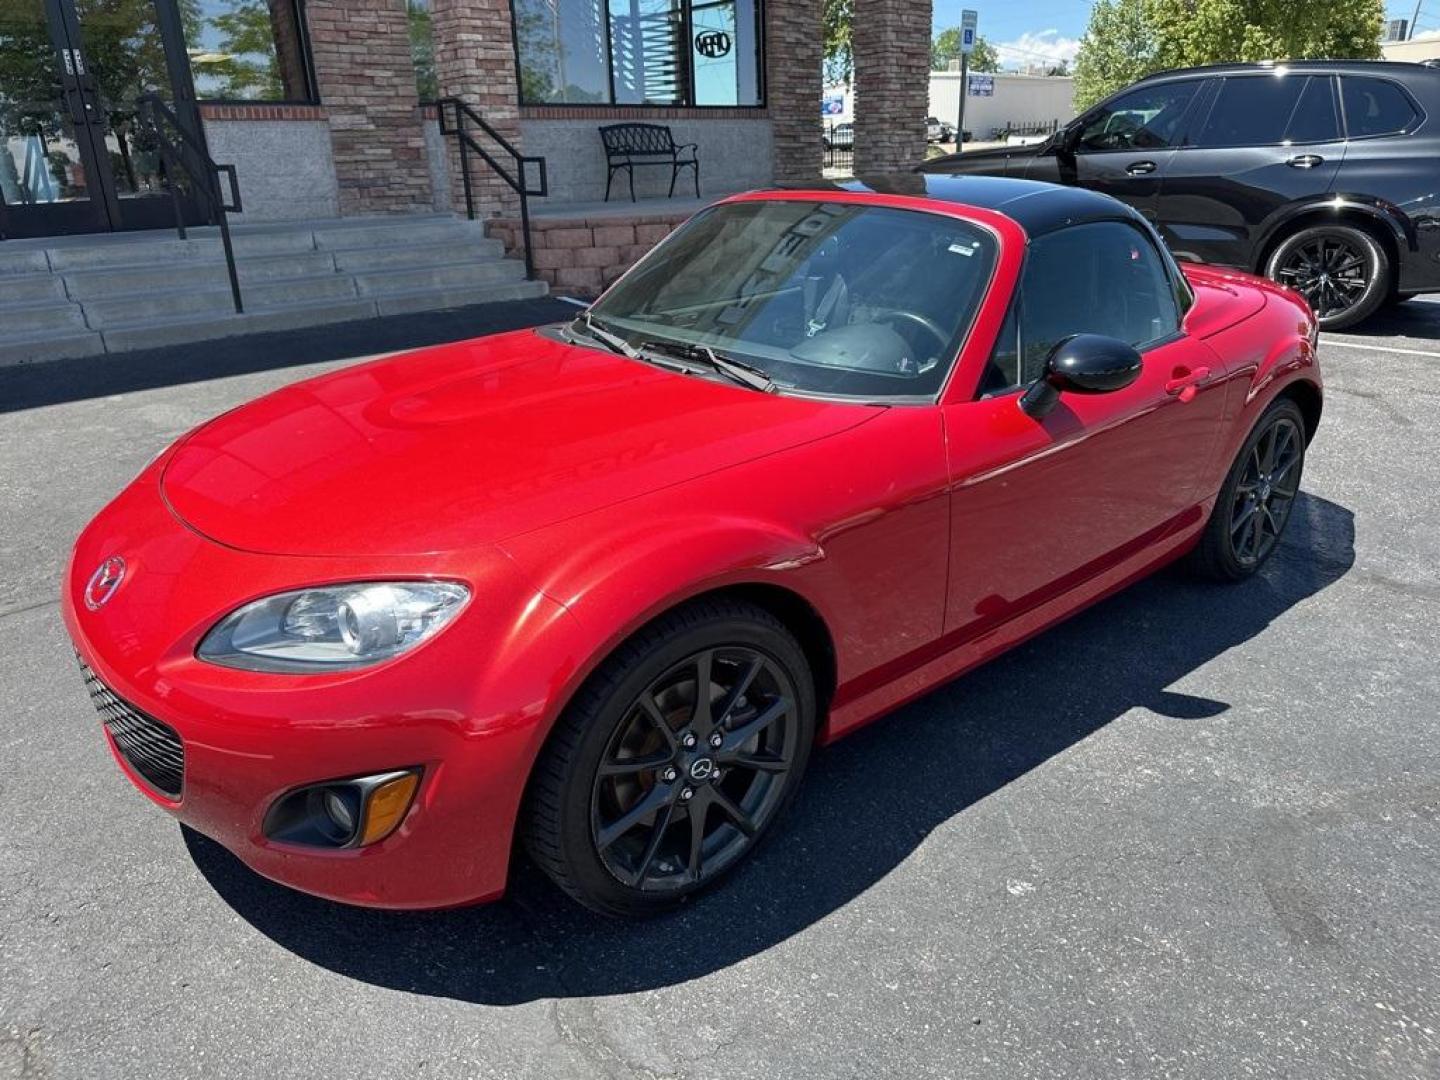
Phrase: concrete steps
(79, 296)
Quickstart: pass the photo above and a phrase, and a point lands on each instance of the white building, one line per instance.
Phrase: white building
(1000, 98)
(1424, 46)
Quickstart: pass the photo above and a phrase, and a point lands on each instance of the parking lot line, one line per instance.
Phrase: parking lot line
(1331, 339)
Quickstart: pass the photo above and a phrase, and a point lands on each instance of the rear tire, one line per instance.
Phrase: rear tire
(649, 791)
(1256, 499)
(1343, 272)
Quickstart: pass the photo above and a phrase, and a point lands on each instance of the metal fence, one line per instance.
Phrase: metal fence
(839, 154)
(1038, 127)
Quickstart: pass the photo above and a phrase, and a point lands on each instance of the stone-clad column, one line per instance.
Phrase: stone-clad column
(892, 84)
(794, 48)
(366, 78)
(475, 61)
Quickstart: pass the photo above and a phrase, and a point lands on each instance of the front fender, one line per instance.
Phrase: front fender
(615, 581)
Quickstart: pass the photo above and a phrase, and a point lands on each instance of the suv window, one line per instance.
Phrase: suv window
(1266, 110)
(1375, 106)
(1101, 278)
(1144, 119)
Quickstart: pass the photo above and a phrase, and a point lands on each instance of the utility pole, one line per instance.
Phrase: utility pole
(1410, 33)
(968, 20)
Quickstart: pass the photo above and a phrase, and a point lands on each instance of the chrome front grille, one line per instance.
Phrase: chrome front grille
(152, 749)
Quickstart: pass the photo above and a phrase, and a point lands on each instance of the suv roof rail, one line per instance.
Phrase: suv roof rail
(1270, 65)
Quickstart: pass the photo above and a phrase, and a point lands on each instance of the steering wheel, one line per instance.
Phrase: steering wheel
(940, 336)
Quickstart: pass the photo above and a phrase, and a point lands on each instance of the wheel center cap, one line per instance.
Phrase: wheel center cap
(1264, 491)
(702, 768)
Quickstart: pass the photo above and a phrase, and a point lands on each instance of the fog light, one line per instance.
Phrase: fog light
(343, 813)
(338, 811)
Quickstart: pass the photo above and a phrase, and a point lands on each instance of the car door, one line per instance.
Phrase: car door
(1041, 505)
(1123, 146)
(1260, 143)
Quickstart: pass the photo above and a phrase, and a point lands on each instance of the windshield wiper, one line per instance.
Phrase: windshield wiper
(665, 354)
(614, 342)
(735, 370)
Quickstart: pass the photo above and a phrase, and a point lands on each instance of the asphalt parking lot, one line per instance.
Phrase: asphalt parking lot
(1195, 832)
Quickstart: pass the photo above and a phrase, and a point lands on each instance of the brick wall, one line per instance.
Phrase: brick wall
(475, 61)
(361, 50)
(892, 83)
(584, 255)
(793, 54)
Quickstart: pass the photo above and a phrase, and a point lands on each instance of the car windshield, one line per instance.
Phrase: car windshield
(825, 298)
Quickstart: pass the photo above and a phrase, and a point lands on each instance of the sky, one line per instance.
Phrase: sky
(1047, 31)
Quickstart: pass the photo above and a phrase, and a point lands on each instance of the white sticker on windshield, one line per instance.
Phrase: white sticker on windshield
(962, 249)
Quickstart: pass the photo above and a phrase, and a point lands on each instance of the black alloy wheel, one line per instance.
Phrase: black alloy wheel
(1266, 493)
(674, 760)
(1341, 272)
(695, 770)
(1259, 494)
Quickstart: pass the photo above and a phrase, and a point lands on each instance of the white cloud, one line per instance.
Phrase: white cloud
(1042, 47)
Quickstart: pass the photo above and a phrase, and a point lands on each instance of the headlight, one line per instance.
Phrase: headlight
(333, 627)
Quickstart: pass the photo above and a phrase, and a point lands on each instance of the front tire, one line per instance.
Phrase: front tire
(1342, 272)
(1258, 495)
(651, 788)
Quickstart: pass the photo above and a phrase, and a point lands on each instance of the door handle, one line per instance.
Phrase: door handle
(1185, 386)
(1140, 168)
(1305, 161)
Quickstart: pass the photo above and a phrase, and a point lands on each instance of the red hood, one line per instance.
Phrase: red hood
(466, 444)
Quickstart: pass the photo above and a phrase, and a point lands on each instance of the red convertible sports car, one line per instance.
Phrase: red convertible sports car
(598, 588)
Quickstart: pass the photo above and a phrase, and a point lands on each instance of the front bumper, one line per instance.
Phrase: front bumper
(450, 707)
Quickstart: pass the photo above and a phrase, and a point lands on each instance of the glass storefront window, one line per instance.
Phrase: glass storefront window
(562, 50)
(246, 50)
(638, 52)
(724, 54)
(647, 39)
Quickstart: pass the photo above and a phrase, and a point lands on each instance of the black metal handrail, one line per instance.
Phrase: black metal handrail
(203, 172)
(517, 177)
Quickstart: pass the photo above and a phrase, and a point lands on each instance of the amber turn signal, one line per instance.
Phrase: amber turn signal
(386, 807)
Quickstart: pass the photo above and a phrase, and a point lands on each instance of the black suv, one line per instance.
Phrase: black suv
(1324, 175)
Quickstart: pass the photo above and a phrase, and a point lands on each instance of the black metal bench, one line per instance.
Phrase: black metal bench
(629, 145)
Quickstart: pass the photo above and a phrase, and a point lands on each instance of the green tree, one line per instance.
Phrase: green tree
(1127, 39)
(1119, 47)
(838, 19)
(422, 49)
(946, 47)
(1220, 31)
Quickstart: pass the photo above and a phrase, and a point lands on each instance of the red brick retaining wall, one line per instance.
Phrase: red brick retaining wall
(584, 255)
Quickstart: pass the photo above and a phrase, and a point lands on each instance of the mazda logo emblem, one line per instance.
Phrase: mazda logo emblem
(103, 582)
(701, 768)
(712, 44)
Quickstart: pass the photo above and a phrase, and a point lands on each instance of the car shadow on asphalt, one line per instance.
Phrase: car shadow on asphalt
(1414, 319)
(867, 803)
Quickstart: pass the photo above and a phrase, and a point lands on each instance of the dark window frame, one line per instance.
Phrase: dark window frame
(307, 64)
(642, 108)
(1419, 117)
(1174, 277)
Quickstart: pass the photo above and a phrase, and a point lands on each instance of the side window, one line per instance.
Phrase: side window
(1375, 106)
(1102, 278)
(1315, 119)
(1266, 110)
(1144, 119)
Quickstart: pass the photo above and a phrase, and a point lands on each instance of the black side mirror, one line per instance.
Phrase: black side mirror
(1081, 364)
